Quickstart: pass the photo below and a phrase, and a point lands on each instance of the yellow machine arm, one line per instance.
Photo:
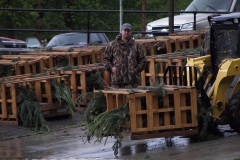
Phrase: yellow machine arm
(202, 63)
(224, 86)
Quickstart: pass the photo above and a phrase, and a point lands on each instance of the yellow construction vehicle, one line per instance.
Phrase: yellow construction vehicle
(216, 75)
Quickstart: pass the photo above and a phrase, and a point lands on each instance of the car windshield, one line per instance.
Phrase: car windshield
(210, 5)
(68, 39)
(32, 42)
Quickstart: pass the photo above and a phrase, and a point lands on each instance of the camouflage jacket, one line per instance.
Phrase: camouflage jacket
(128, 58)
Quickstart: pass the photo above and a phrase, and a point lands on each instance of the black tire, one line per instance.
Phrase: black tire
(233, 112)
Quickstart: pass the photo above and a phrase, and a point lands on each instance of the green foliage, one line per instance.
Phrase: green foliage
(158, 88)
(29, 110)
(39, 75)
(63, 94)
(189, 50)
(205, 120)
(78, 20)
(93, 80)
(6, 71)
(95, 106)
(62, 64)
(18, 19)
(102, 123)
(108, 123)
(16, 59)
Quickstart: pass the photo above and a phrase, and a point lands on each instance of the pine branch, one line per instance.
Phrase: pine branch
(63, 94)
(29, 110)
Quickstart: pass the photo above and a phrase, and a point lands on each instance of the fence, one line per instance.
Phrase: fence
(88, 29)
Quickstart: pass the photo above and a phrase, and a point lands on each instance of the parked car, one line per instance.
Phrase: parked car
(75, 40)
(12, 43)
(34, 43)
(185, 22)
(12, 46)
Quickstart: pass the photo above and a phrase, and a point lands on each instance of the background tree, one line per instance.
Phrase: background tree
(78, 20)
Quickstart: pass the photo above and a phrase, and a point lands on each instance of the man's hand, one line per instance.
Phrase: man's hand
(114, 70)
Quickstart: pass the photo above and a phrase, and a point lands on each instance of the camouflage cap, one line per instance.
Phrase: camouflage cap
(126, 26)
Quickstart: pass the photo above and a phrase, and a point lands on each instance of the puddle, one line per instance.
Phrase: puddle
(69, 144)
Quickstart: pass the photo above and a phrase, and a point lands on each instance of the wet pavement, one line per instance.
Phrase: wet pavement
(68, 144)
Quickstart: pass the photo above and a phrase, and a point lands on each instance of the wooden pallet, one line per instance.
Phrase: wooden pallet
(42, 88)
(42, 61)
(78, 78)
(73, 58)
(169, 44)
(25, 66)
(174, 115)
(156, 66)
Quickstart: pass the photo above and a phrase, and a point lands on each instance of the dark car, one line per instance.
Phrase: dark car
(75, 40)
(12, 46)
(12, 43)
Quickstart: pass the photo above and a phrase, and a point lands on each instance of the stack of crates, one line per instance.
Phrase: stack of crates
(152, 116)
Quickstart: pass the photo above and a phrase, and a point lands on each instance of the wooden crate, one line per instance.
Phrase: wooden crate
(87, 54)
(151, 117)
(169, 44)
(24, 66)
(97, 52)
(78, 78)
(42, 88)
(156, 66)
(174, 43)
(57, 56)
(73, 58)
(44, 60)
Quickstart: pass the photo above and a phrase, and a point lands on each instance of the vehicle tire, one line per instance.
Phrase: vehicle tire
(233, 112)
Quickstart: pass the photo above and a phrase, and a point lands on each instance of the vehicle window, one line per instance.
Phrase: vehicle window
(210, 5)
(32, 41)
(80, 38)
(237, 6)
(56, 41)
(94, 37)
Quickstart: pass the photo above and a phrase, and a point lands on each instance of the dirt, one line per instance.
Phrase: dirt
(54, 123)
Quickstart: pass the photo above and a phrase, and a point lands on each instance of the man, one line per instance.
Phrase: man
(125, 59)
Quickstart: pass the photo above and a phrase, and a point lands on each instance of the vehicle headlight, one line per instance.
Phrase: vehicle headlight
(187, 26)
(148, 27)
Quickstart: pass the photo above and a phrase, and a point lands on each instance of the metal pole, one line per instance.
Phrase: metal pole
(121, 16)
(40, 20)
(144, 6)
(88, 27)
(171, 16)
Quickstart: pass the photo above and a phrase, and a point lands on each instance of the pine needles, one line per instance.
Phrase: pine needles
(204, 119)
(102, 123)
(93, 80)
(6, 70)
(29, 110)
(63, 94)
(156, 88)
(95, 106)
(108, 123)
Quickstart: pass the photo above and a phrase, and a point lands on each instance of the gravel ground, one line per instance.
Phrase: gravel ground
(56, 123)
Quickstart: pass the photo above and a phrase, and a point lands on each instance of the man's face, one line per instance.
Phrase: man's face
(126, 33)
